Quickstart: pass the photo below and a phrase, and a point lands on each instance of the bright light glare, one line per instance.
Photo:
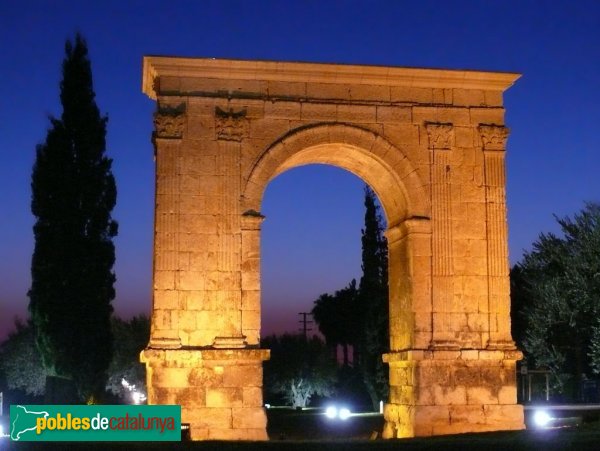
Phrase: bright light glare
(541, 418)
(1, 431)
(344, 413)
(137, 397)
(331, 412)
(268, 406)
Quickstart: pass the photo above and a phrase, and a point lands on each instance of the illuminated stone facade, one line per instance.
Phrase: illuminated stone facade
(429, 142)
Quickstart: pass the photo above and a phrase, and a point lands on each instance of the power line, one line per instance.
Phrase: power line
(305, 323)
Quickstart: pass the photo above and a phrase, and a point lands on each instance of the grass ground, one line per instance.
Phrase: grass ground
(307, 431)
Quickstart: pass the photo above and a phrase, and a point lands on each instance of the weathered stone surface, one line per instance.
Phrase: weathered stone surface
(236, 434)
(219, 397)
(429, 142)
(207, 417)
(510, 415)
(242, 376)
(249, 418)
(252, 396)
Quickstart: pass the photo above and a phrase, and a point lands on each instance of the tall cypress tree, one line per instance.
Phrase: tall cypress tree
(373, 304)
(73, 194)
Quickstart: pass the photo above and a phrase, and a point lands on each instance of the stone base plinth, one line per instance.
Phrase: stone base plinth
(219, 390)
(452, 392)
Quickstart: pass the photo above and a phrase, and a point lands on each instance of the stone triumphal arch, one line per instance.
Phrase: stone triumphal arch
(429, 142)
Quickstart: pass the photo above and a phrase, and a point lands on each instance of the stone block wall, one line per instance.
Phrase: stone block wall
(220, 391)
(451, 392)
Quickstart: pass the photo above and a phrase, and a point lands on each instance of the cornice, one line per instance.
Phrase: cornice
(161, 66)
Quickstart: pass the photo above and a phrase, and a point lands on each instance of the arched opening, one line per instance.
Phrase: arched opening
(311, 249)
(387, 171)
(311, 241)
(391, 176)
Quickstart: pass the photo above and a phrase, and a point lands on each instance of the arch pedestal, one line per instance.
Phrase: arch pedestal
(430, 143)
(451, 392)
(220, 390)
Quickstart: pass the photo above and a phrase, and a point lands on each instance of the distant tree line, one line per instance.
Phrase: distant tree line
(23, 373)
(299, 369)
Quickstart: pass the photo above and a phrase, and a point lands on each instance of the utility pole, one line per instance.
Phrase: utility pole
(305, 323)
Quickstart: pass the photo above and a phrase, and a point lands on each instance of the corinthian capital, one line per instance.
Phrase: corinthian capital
(231, 125)
(440, 135)
(169, 122)
(493, 137)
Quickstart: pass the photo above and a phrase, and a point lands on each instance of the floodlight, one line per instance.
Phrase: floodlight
(331, 412)
(344, 413)
(541, 418)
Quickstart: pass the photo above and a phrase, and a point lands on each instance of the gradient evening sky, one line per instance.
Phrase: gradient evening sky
(311, 238)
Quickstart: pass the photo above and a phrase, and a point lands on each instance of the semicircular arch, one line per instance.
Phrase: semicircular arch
(360, 151)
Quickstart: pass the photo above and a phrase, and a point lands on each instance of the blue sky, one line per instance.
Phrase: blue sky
(553, 112)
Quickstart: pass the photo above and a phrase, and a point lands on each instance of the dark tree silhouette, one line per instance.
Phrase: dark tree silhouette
(373, 306)
(336, 319)
(559, 285)
(73, 194)
(518, 300)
